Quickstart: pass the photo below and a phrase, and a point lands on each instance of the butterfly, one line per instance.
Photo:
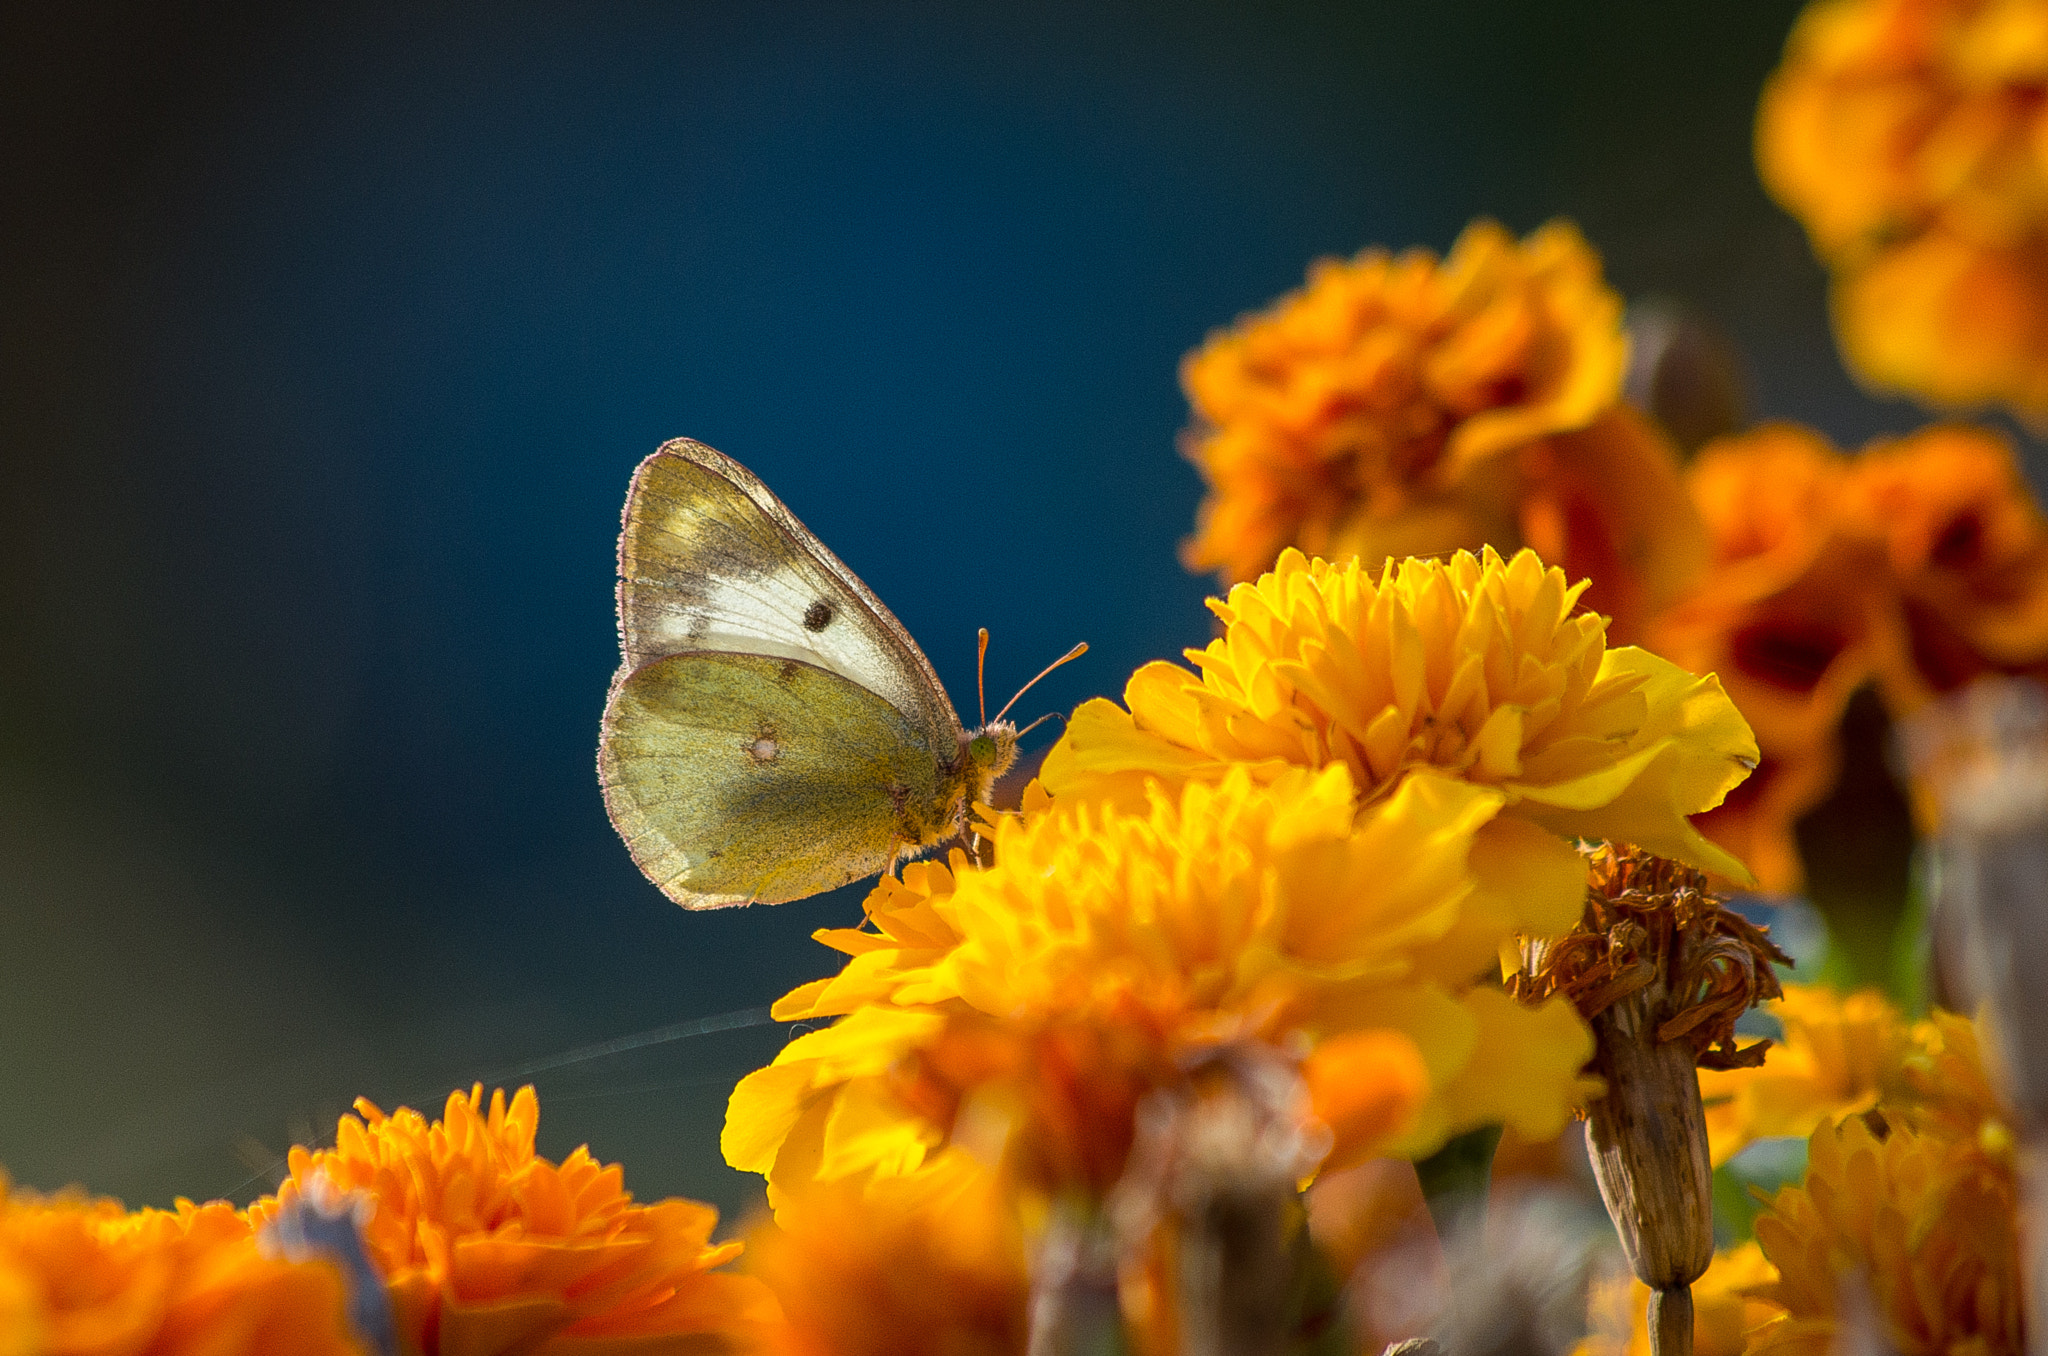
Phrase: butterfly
(772, 731)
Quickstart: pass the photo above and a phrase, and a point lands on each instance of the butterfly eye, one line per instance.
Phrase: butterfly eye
(982, 749)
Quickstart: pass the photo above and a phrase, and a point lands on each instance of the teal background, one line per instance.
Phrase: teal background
(329, 336)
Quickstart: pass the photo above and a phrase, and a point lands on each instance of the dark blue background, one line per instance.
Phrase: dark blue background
(332, 334)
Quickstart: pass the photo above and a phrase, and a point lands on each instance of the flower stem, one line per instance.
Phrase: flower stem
(1455, 1180)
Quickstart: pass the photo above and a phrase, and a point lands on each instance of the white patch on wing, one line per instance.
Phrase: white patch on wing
(764, 615)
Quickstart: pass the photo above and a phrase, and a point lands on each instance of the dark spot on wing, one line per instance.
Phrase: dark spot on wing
(786, 675)
(818, 616)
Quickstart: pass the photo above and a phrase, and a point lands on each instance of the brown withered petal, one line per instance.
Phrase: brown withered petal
(1647, 918)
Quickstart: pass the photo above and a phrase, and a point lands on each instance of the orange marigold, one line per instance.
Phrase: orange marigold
(86, 1278)
(1911, 139)
(1402, 405)
(1913, 1232)
(1968, 549)
(1915, 565)
(487, 1247)
(929, 1263)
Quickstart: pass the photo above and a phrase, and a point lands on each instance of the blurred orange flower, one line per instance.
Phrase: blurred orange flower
(1915, 565)
(83, 1277)
(929, 1264)
(488, 1247)
(1911, 139)
(1399, 405)
(1968, 549)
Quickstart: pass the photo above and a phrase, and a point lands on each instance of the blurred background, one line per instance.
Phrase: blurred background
(329, 336)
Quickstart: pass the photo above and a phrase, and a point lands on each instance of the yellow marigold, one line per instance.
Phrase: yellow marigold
(1840, 1054)
(1756, 822)
(1724, 1308)
(487, 1247)
(1477, 667)
(1916, 1229)
(1105, 947)
(1907, 136)
(1401, 406)
(932, 1262)
(86, 1278)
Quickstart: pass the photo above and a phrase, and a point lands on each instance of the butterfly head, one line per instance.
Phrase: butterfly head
(991, 751)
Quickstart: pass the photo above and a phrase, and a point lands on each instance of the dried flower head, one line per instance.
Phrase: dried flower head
(487, 1247)
(1661, 970)
(1906, 135)
(1651, 923)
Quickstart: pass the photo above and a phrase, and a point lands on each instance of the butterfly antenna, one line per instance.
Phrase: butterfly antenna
(1074, 653)
(981, 667)
(1050, 715)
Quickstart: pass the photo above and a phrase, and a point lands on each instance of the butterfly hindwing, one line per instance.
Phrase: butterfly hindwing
(710, 561)
(743, 778)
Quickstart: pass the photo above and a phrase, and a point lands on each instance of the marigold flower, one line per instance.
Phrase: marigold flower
(1104, 950)
(932, 1262)
(1916, 565)
(1795, 609)
(1401, 406)
(1920, 1228)
(1839, 1055)
(488, 1247)
(1725, 1308)
(1906, 135)
(1476, 666)
(1968, 547)
(83, 1276)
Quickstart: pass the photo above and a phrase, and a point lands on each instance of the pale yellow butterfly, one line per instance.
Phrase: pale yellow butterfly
(772, 731)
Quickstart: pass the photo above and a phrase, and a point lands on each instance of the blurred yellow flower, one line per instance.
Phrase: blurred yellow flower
(1724, 1310)
(927, 1264)
(1401, 406)
(1840, 1054)
(1477, 667)
(1103, 948)
(1911, 1232)
(83, 1277)
(487, 1247)
(1910, 139)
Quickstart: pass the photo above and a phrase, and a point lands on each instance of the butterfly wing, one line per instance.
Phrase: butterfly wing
(710, 561)
(742, 778)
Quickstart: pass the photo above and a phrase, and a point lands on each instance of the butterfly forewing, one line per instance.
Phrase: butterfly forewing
(710, 561)
(739, 778)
